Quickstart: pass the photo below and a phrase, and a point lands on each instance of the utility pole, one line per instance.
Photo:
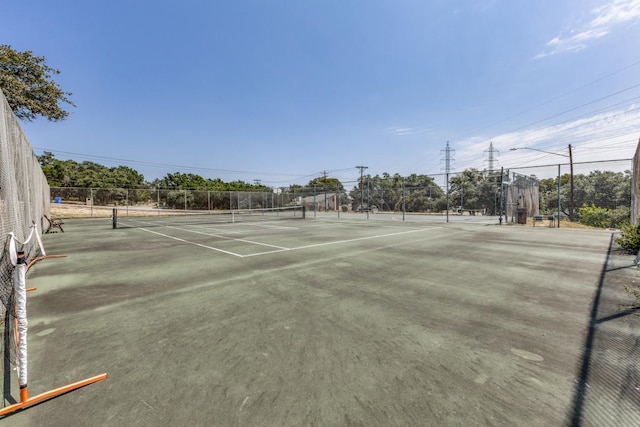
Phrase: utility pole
(362, 168)
(257, 181)
(324, 183)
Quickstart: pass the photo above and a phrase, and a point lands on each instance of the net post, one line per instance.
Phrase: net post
(20, 289)
(304, 211)
(114, 218)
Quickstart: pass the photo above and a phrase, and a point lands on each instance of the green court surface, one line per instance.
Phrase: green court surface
(332, 321)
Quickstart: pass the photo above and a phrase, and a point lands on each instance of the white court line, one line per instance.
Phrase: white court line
(337, 242)
(283, 249)
(220, 226)
(229, 238)
(191, 243)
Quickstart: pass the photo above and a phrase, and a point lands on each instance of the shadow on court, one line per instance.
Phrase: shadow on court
(332, 321)
(608, 389)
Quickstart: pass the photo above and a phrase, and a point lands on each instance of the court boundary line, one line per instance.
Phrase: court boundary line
(268, 225)
(190, 243)
(337, 242)
(279, 248)
(228, 238)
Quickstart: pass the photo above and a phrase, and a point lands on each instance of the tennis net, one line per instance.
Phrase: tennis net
(142, 218)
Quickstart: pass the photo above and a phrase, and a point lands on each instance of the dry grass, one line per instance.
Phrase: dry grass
(81, 211)
(565, 223)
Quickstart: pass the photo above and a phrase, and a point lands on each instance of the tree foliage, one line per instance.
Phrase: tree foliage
(182, 181)
(475, 190)
(27, 83)
(595, 216)
(414, 193)
(69, 173)
(602, 199)
(326, 183)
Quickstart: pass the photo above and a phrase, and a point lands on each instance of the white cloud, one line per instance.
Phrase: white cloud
(396, 131)
(607, 136)
(603, 20)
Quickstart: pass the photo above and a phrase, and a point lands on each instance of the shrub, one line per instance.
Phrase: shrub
(619, 216)
(629, 237)
(594, 216)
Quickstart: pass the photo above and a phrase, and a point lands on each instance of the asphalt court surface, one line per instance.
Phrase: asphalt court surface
(333, 321)
(248, 239)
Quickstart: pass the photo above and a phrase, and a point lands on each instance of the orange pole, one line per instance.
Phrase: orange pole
(48, 395)
(36, 259)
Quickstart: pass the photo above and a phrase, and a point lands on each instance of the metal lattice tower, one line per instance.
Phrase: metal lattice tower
(447, 161)
(447, 170)
(492, 157)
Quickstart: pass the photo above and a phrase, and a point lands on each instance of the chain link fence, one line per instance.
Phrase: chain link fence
(564, 191)
(24, 201)
(101, 201)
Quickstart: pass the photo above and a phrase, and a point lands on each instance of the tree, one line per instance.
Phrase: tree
(326, 183)
(27, 83)
(421, 193)
(462, 189)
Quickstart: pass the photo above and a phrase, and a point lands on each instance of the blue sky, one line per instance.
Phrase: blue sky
(283, 90)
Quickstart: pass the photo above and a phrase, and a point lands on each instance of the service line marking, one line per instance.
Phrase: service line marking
(281, 248)
(229, 238)
(191, 243)
(338, 242)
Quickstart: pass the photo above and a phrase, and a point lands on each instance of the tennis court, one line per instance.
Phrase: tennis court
(330, 321)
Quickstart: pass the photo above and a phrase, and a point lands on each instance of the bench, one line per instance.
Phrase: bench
(53, 224)
(540, 218)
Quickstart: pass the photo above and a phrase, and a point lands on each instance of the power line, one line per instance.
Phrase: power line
(576, 108)
(180, 167)
(526, 110)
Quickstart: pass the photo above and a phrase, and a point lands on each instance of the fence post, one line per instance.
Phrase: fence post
(403, 199)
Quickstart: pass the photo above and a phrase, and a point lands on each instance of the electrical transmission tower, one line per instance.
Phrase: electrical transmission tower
(492, 158)
(447, 170)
